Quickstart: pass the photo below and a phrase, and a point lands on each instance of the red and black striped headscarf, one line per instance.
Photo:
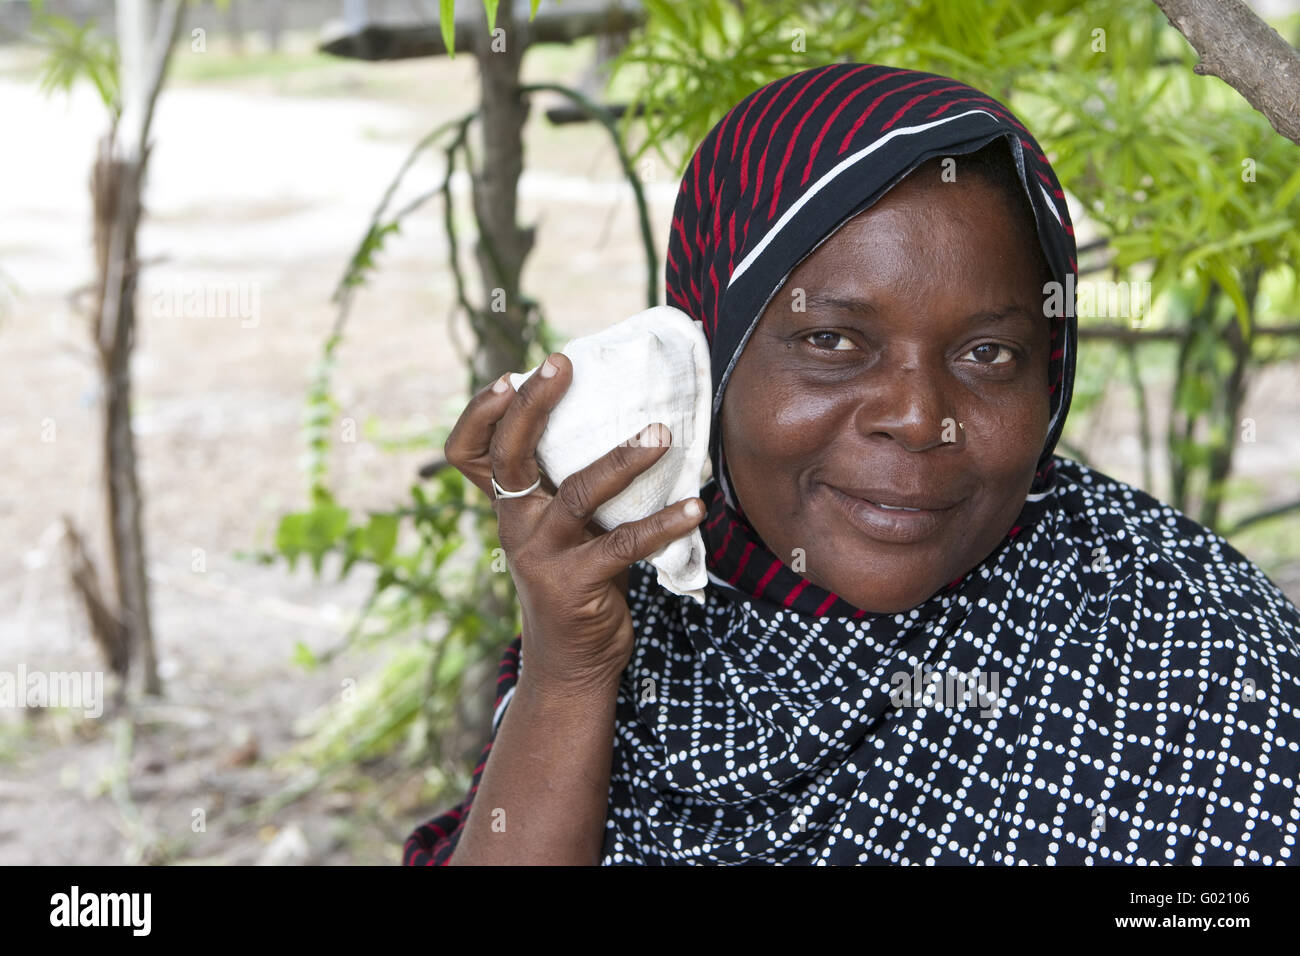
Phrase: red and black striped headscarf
(773, 180)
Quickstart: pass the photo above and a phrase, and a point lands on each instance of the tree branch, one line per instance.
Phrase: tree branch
(1246, 53)
(165, 33)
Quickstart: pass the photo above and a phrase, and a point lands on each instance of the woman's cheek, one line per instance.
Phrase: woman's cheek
(803, 422)
(788, 424)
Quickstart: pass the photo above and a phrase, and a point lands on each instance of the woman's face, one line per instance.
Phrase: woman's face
(921, 312)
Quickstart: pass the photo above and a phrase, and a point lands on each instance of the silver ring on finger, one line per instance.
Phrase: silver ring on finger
(502, 493)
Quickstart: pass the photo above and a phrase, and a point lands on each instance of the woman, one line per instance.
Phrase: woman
(927, 638)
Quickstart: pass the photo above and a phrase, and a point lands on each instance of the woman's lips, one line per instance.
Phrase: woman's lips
(896, 526)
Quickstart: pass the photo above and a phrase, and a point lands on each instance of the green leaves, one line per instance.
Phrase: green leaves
(447, 20)
(74, 52)
(328, 527)
(381, 536)
(304, 657)
(699, 58)
(363, 260)
(313, 533)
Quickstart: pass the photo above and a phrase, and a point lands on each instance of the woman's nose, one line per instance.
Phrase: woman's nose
(906, 402)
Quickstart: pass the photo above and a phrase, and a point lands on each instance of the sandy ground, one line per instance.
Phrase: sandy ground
(268, 182)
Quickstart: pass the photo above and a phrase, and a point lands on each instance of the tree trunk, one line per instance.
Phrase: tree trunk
(106, 627)
(116, 197)
(501, 325)
(144, 44)
(1232, 398)
(1182, 427)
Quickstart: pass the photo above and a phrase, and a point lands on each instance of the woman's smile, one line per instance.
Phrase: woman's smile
(893, 525)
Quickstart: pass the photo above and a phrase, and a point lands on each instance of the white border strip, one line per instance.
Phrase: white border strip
(1051, 204)
(501, 709)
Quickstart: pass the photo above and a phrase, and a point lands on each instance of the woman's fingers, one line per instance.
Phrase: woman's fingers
(498, 433)
(513, 445)
(468, 446)
(574, 504)
(612, 553)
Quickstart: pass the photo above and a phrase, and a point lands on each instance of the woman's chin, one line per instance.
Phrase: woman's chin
(890, 600)
(896, 605)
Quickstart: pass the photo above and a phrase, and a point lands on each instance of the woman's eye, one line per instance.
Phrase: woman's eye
(991, 350)
(830, 337)
(987, 354)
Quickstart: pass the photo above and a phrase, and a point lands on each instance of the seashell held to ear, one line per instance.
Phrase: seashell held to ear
(652, 367)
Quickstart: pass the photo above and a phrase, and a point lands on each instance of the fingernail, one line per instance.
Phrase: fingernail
(501, 384)
(548, 369)
(694, 509)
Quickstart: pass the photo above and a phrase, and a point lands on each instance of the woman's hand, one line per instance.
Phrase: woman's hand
(571, 577)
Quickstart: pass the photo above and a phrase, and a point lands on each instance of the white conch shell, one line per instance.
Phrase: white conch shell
(652, 367)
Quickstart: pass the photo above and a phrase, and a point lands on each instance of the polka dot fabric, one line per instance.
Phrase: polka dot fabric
(1144, 710)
